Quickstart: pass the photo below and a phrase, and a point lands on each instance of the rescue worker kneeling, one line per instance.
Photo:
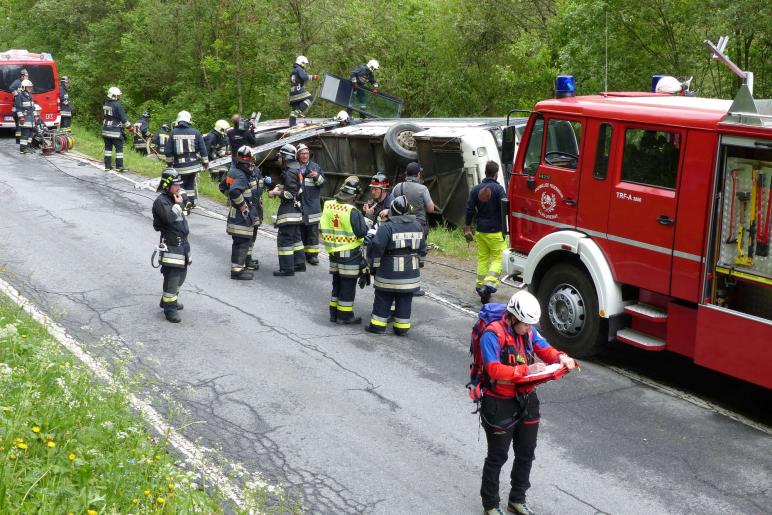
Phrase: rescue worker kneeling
(343, 229)
(169, 219)
(394, 254)
(244, 213)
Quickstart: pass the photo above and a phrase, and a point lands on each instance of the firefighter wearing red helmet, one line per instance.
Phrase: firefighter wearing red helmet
(289, 216)
(378, 206)
(311, 204)
(25, 110)
(510, 413)
(243, 215)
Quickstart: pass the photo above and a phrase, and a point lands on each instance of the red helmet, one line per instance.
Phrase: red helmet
(244, 154)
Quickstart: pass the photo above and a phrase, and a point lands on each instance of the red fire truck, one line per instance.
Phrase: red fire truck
(645, 218)
(45, 84)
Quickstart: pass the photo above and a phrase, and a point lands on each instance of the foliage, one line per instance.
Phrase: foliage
(444, 57)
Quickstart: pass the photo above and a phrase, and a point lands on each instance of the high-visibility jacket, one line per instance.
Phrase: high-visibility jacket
(337, 229)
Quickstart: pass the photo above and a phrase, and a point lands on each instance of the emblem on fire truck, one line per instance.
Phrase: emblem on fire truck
(548, 200)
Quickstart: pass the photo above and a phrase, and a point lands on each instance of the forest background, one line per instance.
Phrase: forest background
(443, 57)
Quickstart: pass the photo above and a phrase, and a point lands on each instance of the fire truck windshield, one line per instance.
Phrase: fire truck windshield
(41, 75)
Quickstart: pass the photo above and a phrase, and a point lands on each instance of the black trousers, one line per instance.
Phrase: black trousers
(117, 144)
(290, 247)
(239, 250)
(174, 278)
(298, 107)
(190, 187)
(26, 138)
(382, 310)
(66, 122)
(344, 289)
(309, 234)
(252, 245)
(17, 127)
(498, 419)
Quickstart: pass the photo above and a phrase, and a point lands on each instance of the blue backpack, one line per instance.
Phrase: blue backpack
(487, 314)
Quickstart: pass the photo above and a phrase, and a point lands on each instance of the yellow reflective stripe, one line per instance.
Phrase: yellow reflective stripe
(239, 230)
(312, 250)
(399, 325)
(286, 252)
(374, 321)
(378, 283)
(345, 308)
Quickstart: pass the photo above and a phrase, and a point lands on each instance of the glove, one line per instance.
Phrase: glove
(267, 180)
(287, 195)
(364, 278)
(355, 85)
(131, 129)
(375, 91)
(314, 77)
(369, 236)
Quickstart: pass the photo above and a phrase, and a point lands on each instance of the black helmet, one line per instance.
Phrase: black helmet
(24, 72)
(351, 189)
(165, 127)
(288, 151)
(168, 177)
(379, 180)
(146, 114)
(400, 206)
(244, 154)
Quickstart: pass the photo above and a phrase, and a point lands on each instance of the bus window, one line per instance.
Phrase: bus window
(41, 75)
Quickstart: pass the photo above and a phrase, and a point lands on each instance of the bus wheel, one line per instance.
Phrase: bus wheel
(569, 303)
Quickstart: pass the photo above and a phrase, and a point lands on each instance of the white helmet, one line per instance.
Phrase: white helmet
(26, 83)
(288, 151)
(114, 93)
(373, 64)
(221, 126)
(183, 116)
(302, 61)
(668, 84)
(342, 116)
(38, 108)
(525, 307)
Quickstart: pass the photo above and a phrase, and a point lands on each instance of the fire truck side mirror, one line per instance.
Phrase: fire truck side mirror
(505, 215)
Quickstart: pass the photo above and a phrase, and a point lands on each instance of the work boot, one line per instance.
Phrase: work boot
(242, 276)
(419, 293)
(108, 170)
(493, 511)
(349, 321)
(252, 264)
(123, 169)
(374, 329)
(172, 316)
(283, 273)
(178, 305)
(312, 259)
(519, 508)
(485, 293)
(300, 268)
(333, 314)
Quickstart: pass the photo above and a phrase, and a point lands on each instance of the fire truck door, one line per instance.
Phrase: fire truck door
(642, 207)
(546, 193)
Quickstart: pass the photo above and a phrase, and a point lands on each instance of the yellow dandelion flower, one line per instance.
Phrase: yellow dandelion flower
(92, 512)
(171, 486)
(51, 444)
(21, 445)
(135, 501)
(6, 408)
(71, 456)
(2, 448)
(17, 440)
(23, 335)
(12, 456)
(160, 500)
(156, 457)
(147, 493)
(35, 429)
(172, 495)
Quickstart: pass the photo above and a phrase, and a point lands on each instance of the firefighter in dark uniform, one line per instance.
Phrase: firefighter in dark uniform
(169, 219)
(113, 123)
(378, 206)
(343, 228)
(186, 153)
(39, 130)
(25, 111)
(240, 134)
(311, 204)
(159, 139)
(243, 216)
(216, 143)
(142, 133)
(363, 74)
(289, 217)
(299, 98)
(393, 254)
(15, 90)
(64, 104)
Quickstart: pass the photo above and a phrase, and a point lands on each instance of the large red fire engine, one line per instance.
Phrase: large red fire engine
(45, 84)
(645, 218)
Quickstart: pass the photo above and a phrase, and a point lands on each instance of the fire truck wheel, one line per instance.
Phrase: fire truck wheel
(569, 304)
(399, 142)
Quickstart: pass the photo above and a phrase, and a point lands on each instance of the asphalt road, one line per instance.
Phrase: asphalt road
(348, 422)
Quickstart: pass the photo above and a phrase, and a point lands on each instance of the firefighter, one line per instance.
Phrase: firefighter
(216, 143)
(169, 219)
(113, 123)
(393, 255)
(289, 217)
(15, 90)
(378, 206)
(243, 216)
(364, 74)
(186, 153)
(509, 414)
(159, 139)
(485, 203)
(343, 229)
(311, 204)
(25, 111)
(65, 105)
(142, 133)
(39, 129)
(299, 98)
(241, 133)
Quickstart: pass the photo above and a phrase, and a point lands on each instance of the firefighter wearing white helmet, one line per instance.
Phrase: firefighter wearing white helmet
(15, 89)
(509, 411)
(25, 110)
(113, 122)
(186, 152)
(310, 203)
(299, 98)
(289, 216)
(361, 76)
(217, 143)
(64, 103)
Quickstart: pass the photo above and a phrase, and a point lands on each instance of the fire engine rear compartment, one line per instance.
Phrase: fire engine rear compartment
(734, 323)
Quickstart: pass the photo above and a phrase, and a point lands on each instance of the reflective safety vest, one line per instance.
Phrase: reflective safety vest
(335, 227)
